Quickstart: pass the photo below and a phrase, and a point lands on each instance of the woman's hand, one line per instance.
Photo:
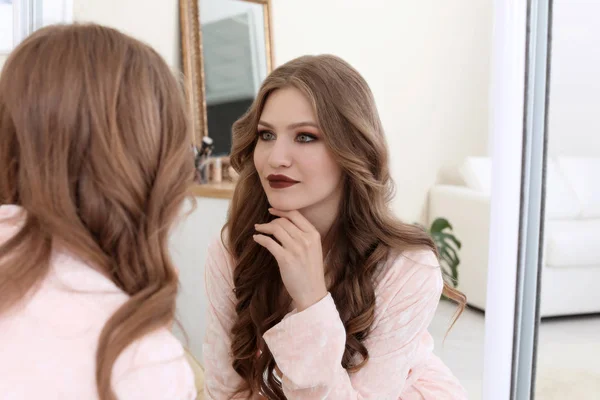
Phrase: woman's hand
(300, 256)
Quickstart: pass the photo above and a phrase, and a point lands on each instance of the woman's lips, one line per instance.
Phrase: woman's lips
(281, 184)
(281, 181)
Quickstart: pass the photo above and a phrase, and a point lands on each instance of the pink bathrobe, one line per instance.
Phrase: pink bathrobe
(308, 345)
(48, 342)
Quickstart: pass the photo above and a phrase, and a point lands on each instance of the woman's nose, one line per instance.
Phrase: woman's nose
(280, 155)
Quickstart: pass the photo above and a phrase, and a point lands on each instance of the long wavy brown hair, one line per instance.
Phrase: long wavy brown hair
(361, 238)
(95, 148)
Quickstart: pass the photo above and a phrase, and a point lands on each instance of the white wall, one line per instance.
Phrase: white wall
(6, 31)
(573, 123)
(189, 244)
(427, 63)
(154, 22)
(6, 27)
(46, 12)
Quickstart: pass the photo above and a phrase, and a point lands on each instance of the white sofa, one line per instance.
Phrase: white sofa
(571, 251)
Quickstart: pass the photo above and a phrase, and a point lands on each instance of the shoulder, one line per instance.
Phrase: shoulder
(218, 258)
(155, 347)
(218, 250)
(218, 269)
(404, 265)
(154, 367)
(410, 273)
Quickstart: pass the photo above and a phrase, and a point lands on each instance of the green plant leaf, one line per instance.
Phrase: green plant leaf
(448, 246)
(454, 270)
(439, 225)
(451, 255)
(442, 237)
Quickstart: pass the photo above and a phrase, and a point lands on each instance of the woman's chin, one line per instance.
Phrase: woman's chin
(282, 203)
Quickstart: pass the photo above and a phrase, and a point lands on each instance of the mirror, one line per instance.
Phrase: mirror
(226, 54)
(569, 301)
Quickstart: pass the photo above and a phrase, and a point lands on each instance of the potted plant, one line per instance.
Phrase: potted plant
(448, 246)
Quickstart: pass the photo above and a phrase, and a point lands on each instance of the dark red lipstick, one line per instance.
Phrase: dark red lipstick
(281, 181)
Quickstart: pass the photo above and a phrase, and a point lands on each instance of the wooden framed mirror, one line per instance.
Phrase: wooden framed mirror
(226, 54)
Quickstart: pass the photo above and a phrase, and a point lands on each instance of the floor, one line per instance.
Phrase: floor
(568, 354)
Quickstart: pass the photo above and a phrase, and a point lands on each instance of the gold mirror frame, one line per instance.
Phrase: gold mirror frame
(191, 59)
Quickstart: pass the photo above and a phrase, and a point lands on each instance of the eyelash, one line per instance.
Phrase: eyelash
(307, 135)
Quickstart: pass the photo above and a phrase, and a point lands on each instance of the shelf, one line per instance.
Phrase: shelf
(223, 190)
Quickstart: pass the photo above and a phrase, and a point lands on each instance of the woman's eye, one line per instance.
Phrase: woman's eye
(305, 138)
(266, 135)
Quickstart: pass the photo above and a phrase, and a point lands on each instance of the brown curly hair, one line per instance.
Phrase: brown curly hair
(95, 147)
(361, 238)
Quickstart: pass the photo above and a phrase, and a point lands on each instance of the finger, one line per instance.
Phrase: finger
(302, 240)
(289, 227)
(296, 218)
(276, 229)
(271, 245)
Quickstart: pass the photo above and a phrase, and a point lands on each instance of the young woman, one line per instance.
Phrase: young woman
(95, 162)
(316, 290)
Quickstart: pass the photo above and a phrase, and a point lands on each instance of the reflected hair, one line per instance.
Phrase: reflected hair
(95, 148)
(361, 239)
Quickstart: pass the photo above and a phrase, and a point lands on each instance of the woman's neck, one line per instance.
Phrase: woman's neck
(323, 214)
(321, 218)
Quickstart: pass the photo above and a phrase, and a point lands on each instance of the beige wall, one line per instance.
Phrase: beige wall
(427, 63)
(155, 22)
(574, 83)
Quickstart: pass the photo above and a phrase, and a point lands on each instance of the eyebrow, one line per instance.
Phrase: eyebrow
(291, 126)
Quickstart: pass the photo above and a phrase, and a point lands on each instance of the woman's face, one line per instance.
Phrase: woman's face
(296, 169)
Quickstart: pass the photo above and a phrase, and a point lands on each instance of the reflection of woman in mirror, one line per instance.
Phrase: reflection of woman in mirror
(316, 290)
(95, 163)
